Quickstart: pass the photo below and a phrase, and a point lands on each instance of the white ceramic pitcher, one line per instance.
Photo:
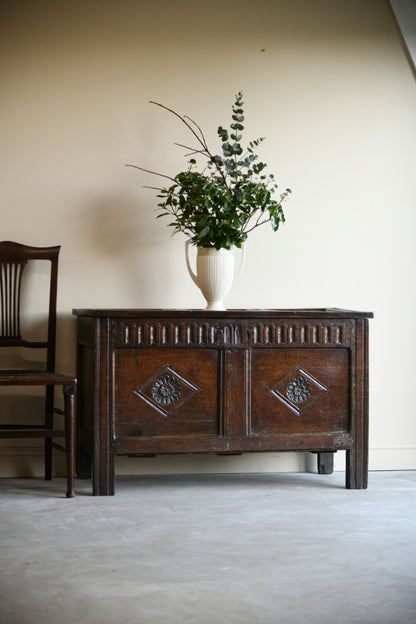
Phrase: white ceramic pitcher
(215, 273)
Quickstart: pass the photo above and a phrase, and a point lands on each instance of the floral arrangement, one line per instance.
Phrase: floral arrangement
(219, 206)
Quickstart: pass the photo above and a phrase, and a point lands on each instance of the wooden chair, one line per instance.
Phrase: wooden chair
(13, 259)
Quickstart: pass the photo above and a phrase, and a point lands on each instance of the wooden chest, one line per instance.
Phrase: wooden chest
(239, 381)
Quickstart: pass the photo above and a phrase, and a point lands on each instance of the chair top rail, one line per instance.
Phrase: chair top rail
(9, 250)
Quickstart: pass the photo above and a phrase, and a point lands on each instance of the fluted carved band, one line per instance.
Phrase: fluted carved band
(230, 333)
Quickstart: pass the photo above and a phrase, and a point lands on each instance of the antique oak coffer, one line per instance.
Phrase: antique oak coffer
(238, 381)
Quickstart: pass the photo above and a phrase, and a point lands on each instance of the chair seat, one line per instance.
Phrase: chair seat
(23, 377)
(26, 431)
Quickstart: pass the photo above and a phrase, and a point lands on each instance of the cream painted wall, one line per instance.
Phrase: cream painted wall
(327, 83)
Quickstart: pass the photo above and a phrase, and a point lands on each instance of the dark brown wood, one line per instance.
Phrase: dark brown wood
(325, 463)
(69, 390)
(13, 259)
(159, 313)
(190, 381)
(357, 456)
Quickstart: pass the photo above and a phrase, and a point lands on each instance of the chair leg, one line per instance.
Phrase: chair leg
(49, 425)
(48, 459)
(69, 397)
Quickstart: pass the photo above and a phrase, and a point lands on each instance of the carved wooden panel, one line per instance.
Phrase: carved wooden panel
(163, 392)
(299, 390)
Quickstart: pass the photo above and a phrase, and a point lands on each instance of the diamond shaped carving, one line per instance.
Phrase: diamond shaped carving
(298, 390)
(166, 390)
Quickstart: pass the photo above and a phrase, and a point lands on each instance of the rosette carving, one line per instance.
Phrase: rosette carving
(299, 389)
(166, 390)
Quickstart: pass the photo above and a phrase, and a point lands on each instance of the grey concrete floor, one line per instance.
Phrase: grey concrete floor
(266, 549)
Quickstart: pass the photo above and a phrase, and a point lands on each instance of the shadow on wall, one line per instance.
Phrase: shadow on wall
(118, 225)
(25, 457)
(123, 247)
(24, 406)
(21, 405)
(27, 358)
(66, 332)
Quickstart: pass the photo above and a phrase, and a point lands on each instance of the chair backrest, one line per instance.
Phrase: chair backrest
(13, 260)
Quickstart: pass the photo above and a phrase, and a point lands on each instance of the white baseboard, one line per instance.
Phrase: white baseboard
(27, 461)
(384, 458)
(392, 458)
(212, 464)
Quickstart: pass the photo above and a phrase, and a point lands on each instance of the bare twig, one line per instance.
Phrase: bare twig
(193, 150)
(153, 173)
(200, 140)
(183, 121)
(200, 130)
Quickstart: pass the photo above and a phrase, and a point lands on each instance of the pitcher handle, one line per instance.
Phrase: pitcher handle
(188, 264)
(239, 268)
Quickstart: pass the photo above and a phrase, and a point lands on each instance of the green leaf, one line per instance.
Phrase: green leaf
(237, 149)
(227, 149)
(223, 133)
(217, 160)
(203, 232)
